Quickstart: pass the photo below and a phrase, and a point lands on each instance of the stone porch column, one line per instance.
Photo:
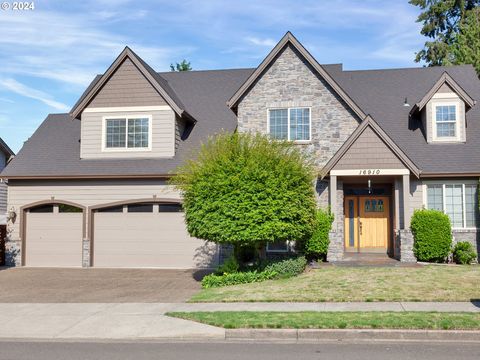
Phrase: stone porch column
(333, 199)
(405, 236)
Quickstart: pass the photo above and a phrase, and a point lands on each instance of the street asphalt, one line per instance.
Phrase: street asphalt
(237, 351)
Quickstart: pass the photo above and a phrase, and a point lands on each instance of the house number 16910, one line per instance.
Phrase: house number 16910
(369, 172)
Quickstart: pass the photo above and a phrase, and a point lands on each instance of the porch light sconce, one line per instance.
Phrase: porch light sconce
(405, 103)
(369, 186)
(11, 215)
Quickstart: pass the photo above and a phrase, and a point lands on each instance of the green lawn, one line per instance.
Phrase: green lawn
(332, 283)
(336, 320)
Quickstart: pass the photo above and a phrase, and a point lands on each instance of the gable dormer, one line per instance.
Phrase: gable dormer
(128, 112)
(443, 112)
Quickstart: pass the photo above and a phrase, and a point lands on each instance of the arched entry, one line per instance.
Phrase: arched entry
(52, 233)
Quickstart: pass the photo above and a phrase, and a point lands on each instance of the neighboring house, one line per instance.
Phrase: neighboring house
(90, 187)
(5, 154)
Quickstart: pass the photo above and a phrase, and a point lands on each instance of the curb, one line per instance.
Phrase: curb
(306, 335)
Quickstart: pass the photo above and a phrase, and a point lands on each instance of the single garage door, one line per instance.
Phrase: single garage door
(146, 235)
(54, 236)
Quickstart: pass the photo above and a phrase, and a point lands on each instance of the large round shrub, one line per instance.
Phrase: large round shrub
(432, 234)
(317, 246)
(246, 189)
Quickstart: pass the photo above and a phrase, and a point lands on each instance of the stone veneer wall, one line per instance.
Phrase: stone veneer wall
(291, 82)
(336, 249)
(405, 241)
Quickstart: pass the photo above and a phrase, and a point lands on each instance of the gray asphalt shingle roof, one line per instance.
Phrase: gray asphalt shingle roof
(54, 149)
(381, 93)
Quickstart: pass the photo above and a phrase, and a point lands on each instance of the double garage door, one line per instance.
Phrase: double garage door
(134, 235)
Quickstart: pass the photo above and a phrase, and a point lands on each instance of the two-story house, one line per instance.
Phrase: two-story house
(90, 187)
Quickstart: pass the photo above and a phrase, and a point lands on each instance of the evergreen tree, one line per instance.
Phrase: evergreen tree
(442, 21)
(465, 48)
(183, 66)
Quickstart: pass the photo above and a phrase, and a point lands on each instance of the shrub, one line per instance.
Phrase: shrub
(432, 235)
(317, 246)
(288, 267)
(228, 267)
(213, 280)
(463, 253)
(245, 189)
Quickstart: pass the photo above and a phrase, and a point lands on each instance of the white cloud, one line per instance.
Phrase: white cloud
(7, 100)
(21, 89)
(71, 49)
(267, 42)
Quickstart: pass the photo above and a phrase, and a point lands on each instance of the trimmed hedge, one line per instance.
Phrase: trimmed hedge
(288, 267)
(266, 270)
(213, 280)
(432, 235)
(463, 253)
(317, 246)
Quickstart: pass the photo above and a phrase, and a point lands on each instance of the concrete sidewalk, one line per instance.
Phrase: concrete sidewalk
(148, 321)
(325, 306)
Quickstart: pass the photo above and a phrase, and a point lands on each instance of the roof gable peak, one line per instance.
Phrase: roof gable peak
(290, 39)
(159, 84)
(369, 122)
(445, 78)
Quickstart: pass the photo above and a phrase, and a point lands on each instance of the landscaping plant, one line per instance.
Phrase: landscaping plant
(432, 234)
(213, 280)
(463, 253)
(317, 246)
(288, 267)
(230, 266)
(245, 189)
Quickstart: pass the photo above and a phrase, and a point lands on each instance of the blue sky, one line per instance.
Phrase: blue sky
(49, 55)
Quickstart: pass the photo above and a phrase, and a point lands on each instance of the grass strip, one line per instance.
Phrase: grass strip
(335, 320)
(340, 284)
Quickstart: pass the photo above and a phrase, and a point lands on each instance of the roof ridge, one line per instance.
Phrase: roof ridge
(205, 70)
(410, 68)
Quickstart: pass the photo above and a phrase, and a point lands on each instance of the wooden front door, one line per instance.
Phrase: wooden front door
(367, 223)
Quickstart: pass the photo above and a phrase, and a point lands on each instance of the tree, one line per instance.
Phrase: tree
(441, 22)
(247, 190)
(466, 47)
(183, 66)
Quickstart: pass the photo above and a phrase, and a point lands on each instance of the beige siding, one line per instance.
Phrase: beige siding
(127, 87)
(445, 88)
(54, 239)
(86, 193)
(147, 240)
(369, 151)
(162, 128)
(416, 197)
(90, 193)
(179, 130)
(3, 200)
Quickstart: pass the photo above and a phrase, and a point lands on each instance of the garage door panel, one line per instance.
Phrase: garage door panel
(54, 239)
(147, 240)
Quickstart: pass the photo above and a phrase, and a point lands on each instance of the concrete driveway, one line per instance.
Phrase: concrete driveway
(56, 285)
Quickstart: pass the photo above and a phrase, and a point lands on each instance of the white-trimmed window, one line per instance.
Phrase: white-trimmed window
(456, 199)
(127, 133)
(446, 119)
(278, 246)
(289, 124)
